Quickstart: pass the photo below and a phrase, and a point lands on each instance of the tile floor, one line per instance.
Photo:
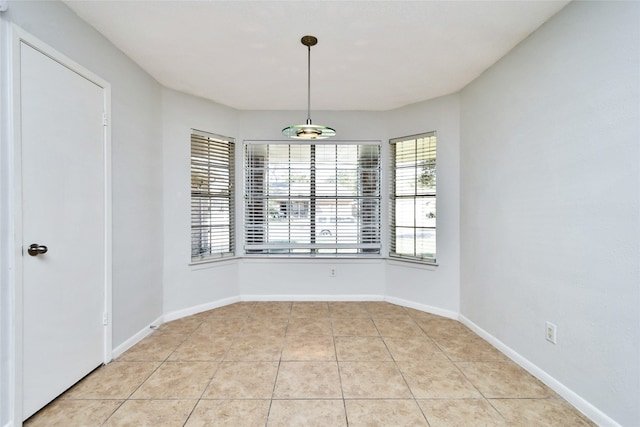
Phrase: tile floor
(310, 364)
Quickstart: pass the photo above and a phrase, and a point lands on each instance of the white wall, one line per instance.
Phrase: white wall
(187, 286)
(433, 288)
(136, 171)
(550, 223)
(310, 279)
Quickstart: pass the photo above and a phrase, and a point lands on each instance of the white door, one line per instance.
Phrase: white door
(63, 208)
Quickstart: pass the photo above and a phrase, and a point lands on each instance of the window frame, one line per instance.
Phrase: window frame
(415, 197)
(255, 244)
(217, 157)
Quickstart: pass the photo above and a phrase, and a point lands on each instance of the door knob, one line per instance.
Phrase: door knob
(36, 249)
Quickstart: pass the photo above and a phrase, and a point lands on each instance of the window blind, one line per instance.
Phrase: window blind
(413, 197)
(212, 200)
(312, 198)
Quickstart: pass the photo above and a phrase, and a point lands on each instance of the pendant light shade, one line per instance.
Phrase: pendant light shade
(308, 130)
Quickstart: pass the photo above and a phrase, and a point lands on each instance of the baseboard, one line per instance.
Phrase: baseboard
(178, 314)
(9, 424)
(312, 298)
(593, 413)
(423, 307)
(174, 315)
(119, 350)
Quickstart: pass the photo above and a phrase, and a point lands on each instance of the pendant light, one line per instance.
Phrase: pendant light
(308, 130)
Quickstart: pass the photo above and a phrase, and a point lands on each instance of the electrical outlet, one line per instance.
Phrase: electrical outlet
(550, 332)
(332, 272)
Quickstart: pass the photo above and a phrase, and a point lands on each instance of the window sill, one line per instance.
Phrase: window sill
(210, 261)
(196, 265)
(306, 257)
(429, 265)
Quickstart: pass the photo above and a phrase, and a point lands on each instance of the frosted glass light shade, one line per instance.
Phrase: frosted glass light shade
(308, 131)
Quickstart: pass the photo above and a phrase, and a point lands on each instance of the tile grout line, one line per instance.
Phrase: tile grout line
(335, 351)
(395, 362)
(161, 362)
(204, 390)
(463, 374)
(275, 381)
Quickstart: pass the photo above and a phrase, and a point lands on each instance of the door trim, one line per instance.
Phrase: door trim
(18, 36)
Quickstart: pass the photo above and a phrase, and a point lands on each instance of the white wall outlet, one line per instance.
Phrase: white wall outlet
(332, 272)
(550, 329)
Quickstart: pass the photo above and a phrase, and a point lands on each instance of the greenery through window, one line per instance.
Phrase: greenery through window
(413, 197)
(312, 198)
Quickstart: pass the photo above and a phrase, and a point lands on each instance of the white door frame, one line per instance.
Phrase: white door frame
(18, 36)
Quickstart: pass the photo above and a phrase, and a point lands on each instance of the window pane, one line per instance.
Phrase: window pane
(426, 212)
(413, 197)
(325, 198)
(425, 243)
(405, 212)
(405, 181)
(426, 165)
(405, 240)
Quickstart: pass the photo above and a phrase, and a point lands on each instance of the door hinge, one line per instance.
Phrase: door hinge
(105, 119)
(105, 319)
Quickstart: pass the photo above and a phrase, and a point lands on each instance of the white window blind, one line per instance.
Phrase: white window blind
(212, 201)
(413, 197)
(312, 198)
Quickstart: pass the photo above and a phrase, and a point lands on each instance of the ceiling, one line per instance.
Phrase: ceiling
(371, 55)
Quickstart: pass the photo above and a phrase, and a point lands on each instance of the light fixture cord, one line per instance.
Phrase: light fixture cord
(309, 85)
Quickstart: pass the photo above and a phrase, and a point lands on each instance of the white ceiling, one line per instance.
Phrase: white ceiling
(371, 55)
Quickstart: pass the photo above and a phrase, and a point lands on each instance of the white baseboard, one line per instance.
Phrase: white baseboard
(174, 315)
(312, 298)
(179, 314)
(422, 307)
(593, 413)
(119, 350)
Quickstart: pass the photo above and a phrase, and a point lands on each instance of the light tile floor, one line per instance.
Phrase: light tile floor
(310, 364)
